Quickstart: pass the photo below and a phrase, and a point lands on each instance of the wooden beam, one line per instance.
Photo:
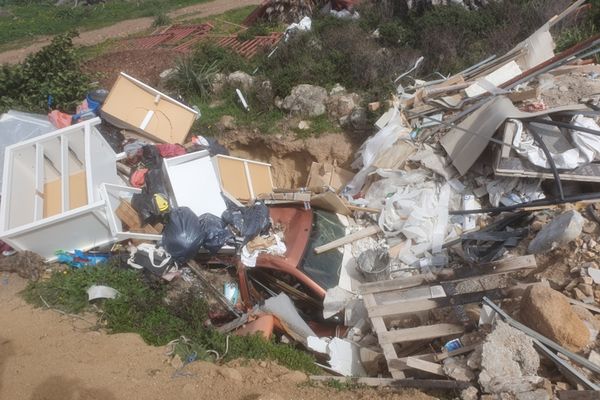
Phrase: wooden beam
(363, 233)
(419, 333)
(389, 351)
(426, 366)
(412, 306)
(513, 264)
(584, 305)
(578, 395)
(399, 383)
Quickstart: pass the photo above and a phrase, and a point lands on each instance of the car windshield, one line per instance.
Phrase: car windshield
(323, 268)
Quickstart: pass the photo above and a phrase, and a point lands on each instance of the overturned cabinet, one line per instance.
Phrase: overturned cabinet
(51, 191)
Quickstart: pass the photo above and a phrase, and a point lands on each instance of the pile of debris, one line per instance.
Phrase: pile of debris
(461, 255)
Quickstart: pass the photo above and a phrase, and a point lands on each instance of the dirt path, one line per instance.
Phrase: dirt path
(46, 356)
(129, 27)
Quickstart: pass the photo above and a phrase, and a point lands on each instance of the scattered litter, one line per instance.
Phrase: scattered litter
(101, 292)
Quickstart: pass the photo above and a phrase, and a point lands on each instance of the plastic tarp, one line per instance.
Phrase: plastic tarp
(17, 127)
(583, 149)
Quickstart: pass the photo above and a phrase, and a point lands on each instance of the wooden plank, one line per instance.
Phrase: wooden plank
(578, 395)
(412, 306)
(419, 333)
(389, 351)
(584, 305)
(363, 233)
(403, 283)
(399, 383)
(494, 268)
(426, 366)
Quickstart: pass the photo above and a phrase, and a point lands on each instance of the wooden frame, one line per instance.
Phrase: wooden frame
(243, 179)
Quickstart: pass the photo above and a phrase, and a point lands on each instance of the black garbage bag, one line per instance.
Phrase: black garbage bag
(215, 231)
(233, 216)
(256, 221)
(151, 156)
(145, 206)
(183, 235)
(247, 222)
(155, 184)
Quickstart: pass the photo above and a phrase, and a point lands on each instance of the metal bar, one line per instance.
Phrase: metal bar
(553, 345)
(567, 369)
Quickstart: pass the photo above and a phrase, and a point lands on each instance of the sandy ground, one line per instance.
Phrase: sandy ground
(48, 356)
(129, 27)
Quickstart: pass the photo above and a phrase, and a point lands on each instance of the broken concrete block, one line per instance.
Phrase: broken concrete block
(306, 101)
(549, 313)
(560, 231)
(457, 369)
(470, 393)
(509, 362)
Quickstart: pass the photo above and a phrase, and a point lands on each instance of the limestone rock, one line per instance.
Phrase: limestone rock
(560, 231)
(218, 83)
(337, 89)
(509, 362)
(548, 312)
(304, 125)
(240, 80)
(340, 105)
(470, 393)
(306, 101)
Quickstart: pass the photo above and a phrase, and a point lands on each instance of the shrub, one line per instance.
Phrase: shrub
(52, 76)
(161, 19)
(190, 79)
(226, 61)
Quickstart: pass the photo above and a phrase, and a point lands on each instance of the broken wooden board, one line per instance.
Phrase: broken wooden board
(363, 233)
(130, 217)
(329, 201)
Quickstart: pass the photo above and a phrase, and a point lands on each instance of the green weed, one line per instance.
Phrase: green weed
(141, 308)
(36, 18)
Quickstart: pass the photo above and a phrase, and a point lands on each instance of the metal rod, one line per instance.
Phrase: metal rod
(540, 142)
(553, 345)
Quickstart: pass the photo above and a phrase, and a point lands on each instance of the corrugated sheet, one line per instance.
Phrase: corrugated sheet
(249, 48)
(171, 36)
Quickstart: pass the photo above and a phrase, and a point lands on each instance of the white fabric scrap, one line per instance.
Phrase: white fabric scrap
(249, 259)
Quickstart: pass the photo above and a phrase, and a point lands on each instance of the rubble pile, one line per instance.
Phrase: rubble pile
(460, 253)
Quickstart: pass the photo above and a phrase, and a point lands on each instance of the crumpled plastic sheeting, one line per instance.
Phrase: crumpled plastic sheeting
(369, 151)
(304, 25)
(586, 150)
(411, 204)
(511, 191)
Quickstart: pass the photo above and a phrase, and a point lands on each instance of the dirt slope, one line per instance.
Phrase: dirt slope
(46, 356)
(128, 27)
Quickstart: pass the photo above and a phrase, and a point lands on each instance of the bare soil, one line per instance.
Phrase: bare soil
(48, 356)
(290, 157)
(106, 68)
(128, 27)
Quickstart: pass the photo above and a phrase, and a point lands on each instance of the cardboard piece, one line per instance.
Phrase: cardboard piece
(134, 105)
(328, 175)
(496, 78)
(330, 201)
(244, 179)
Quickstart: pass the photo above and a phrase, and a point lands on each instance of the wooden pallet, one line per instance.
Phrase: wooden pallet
(389, 300)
